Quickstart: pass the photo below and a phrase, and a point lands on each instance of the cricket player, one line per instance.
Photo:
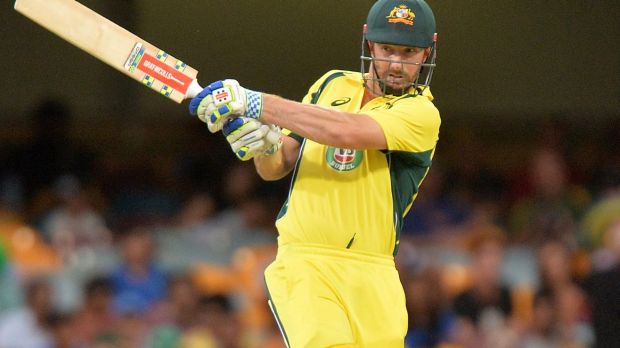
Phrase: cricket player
(359, 145)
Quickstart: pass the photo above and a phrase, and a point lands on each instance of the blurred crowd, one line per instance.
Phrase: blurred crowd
(509, 244)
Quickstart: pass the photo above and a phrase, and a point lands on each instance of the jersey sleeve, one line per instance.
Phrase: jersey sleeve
(311, 96)
(317, 87)
(409, 125)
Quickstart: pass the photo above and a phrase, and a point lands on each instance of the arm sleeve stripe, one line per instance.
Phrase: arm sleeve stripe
(316, 95)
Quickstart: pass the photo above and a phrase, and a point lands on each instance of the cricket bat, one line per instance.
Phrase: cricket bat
(118, 48)
(114, 46)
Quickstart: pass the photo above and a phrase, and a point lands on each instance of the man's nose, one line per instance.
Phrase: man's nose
(396, 64)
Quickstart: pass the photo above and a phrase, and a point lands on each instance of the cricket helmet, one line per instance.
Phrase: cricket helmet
(404, 23)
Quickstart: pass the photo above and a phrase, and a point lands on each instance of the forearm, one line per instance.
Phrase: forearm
(270, 167)
(325, 126)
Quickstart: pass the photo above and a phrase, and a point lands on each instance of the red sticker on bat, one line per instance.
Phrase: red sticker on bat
(164, 73)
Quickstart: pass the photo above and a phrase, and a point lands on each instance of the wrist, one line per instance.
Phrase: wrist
(254, 107)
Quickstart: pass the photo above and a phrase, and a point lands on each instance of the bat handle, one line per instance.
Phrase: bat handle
(193, 90)
(273, 137)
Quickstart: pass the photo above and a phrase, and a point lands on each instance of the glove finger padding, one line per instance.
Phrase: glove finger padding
(249, 150)
(237, 127)
(195, 102)
(250, 138)
(205, 109)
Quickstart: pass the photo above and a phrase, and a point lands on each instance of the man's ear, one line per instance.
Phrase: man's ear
(427, 52)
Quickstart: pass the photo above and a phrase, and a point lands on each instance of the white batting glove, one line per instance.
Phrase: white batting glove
(223, 99)
(249, 137)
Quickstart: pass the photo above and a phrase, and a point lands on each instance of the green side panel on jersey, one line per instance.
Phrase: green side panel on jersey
(407, 170)
(315, 98)
(284, 208)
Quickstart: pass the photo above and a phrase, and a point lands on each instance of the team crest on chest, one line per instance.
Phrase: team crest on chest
(343, 160)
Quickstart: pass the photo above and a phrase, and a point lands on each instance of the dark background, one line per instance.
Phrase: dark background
(509, 75)
(515, 60)
(528, 92)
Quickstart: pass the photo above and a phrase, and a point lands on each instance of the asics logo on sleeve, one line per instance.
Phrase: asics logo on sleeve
(341, 101)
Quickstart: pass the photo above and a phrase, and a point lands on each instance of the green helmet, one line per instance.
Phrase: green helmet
(401, 22)
(404, 23)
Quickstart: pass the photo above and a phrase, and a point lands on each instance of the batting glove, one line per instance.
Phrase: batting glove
(249, 137)
(223, 99)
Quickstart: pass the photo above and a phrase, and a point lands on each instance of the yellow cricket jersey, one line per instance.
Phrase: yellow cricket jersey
(356, 198)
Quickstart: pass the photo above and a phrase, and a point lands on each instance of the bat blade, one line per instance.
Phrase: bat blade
(114, 46)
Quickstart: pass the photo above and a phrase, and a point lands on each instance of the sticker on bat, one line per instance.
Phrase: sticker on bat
(134, 57)
(164, 73)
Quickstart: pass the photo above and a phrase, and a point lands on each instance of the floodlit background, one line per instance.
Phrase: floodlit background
(518, 222)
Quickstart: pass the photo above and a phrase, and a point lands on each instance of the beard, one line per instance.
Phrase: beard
(390, 89)
(395, 91)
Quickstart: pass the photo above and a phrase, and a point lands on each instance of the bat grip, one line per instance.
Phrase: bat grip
(193, 89)
(273, 137)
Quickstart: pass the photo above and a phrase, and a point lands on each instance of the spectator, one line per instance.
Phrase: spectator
(138, 283)
(9, 291)
(181, 243)
(553, 207)
(483, 310)
(240, 183)
(132, 327)
(247, 220)
(435, 211)
(430, 322)
(541, 333)
(559, 320)
(271, 337)
(603, 289)
(179, 314)
(554, 265)
(74, 224)
(26, 327)
(573, 328)
(51, 153)
(95, 319)
(218, 315)
(198, 208)
(595, 227)
(61, 327)
(27, 251)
